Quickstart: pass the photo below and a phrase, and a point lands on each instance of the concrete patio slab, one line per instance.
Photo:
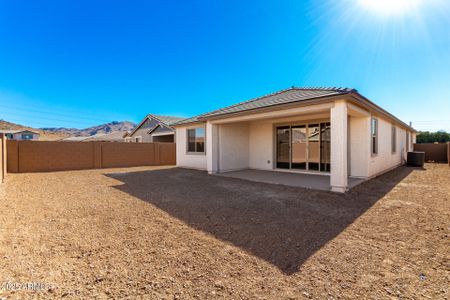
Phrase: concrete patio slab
(310, 181)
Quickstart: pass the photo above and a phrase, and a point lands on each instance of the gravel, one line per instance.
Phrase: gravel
(168, 233)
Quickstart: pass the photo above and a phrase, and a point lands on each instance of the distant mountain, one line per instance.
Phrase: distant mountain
(44, 135)
(100, 129)
(61, 132)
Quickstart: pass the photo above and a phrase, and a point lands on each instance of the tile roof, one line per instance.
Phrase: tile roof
(168, 120)
(290, 95)
(112, 136)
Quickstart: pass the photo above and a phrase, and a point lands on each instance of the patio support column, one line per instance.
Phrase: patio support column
(339, 138)
(212, 148)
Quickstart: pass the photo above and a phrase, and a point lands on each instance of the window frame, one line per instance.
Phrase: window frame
(195, 141)
(394, 139)
(374, 136)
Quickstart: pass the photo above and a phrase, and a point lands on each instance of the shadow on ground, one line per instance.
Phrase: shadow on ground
(282, 225)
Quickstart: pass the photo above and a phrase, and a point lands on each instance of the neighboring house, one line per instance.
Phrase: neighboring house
(75, 139)
(117, 136)
(20, 135)
(154, 128)
(331, 131)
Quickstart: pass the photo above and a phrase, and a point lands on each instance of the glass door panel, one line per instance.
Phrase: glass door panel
(298, 147)
(283, 149)
(325, 146)
(313, 147)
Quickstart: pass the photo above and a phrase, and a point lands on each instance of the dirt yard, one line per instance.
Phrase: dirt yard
(172, 233)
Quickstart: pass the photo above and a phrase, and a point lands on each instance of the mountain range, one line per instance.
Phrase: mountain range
(55, 133)
(99, 129)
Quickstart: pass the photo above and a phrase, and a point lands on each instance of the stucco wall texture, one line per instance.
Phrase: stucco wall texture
(33, 156)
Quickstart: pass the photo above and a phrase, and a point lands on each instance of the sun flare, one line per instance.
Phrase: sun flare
(390, 6)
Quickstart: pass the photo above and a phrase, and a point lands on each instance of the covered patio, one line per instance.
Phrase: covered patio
(303, 180)
(305, 147)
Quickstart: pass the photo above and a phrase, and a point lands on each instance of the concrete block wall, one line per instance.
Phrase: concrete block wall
(434, 152)
(2, 157)
(34, 156)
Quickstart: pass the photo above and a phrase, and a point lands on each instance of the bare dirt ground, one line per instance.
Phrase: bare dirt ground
(171, 233)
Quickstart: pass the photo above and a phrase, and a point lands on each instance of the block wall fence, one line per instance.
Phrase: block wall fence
(2, 157)
(40, 156)
(434, 152)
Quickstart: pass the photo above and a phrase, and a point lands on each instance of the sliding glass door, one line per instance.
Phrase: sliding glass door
(283, 149)
(304, 147)
(298, 146)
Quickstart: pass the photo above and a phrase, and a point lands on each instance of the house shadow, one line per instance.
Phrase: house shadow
(280, 224)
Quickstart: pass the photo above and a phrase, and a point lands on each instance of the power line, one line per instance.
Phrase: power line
(34, 112)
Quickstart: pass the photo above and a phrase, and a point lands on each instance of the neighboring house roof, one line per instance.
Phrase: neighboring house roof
(288, 96)
(17, 131)
(75, 138)
(166, 120)
(116, 136)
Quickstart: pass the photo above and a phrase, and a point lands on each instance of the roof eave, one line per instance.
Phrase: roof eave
(371, 105)
(187, 124)
(280, 106)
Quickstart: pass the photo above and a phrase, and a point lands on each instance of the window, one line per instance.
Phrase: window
(27, 136)
(374, 136)
(394, 139)
(196, 140)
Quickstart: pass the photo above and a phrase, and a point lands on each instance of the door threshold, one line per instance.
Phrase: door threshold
(302, 172)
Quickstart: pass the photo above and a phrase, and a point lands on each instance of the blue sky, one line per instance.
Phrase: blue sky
(81, 63)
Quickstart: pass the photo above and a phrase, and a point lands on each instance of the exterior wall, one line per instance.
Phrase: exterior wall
(385, 160)
(143, 133)
(184, 159)
(262, 139)
(212, 148)
(339, 147)
(32, 156)
(359, 143)
(261, 145)
(251, 144)
(233, 146)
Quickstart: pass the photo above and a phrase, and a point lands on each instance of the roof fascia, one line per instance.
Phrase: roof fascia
(275, 107)
(360, 99)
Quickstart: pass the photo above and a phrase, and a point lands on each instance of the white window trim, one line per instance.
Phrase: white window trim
(187, 141)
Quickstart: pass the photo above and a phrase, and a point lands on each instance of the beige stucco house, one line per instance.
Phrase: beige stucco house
(333, 132)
